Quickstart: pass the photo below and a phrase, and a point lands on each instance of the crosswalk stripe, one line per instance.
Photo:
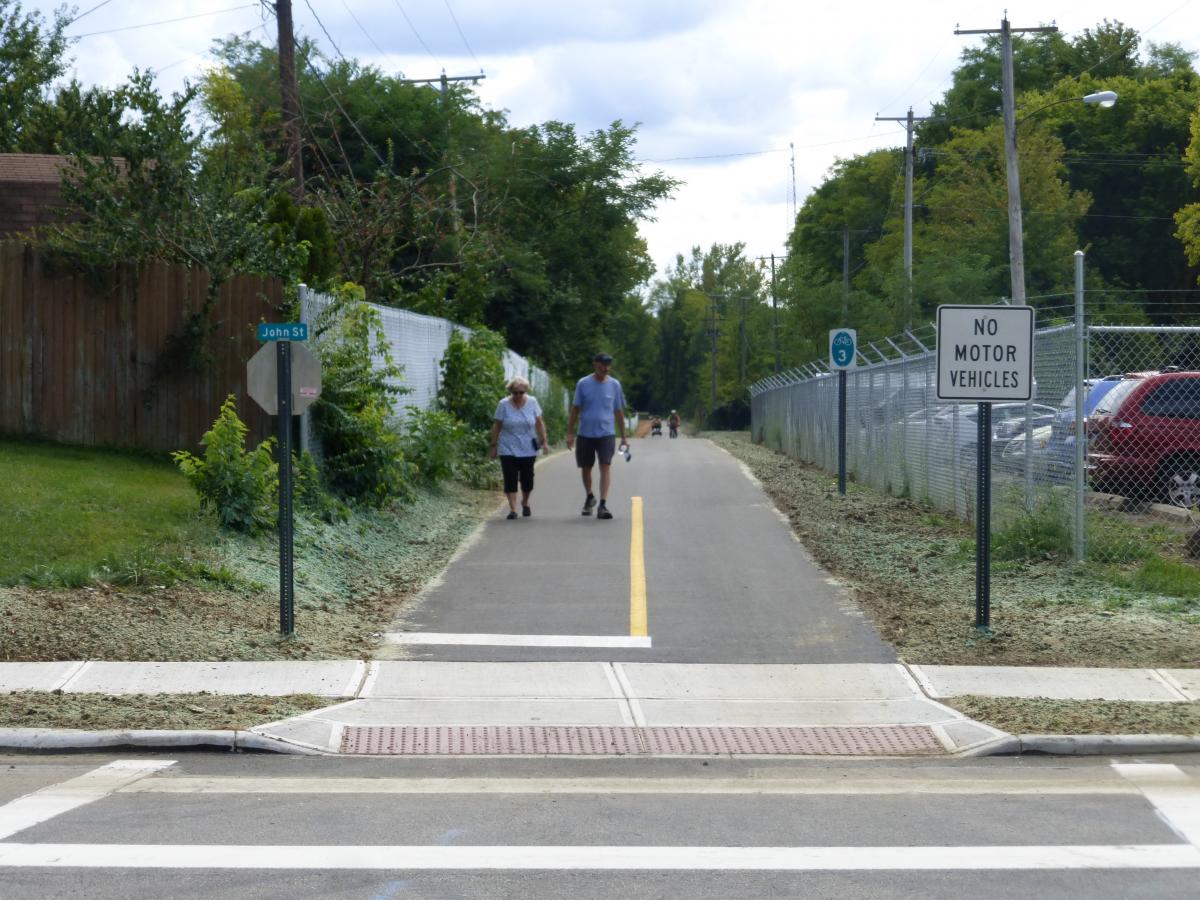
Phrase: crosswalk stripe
(557, 858)
(1173, 793)
(56, 799)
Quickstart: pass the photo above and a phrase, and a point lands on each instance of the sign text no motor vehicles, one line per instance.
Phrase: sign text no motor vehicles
(985, 353)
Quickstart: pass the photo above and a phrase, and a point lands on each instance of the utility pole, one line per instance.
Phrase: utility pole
(444, 81)
(774, 315)
(909, 121)
(845, 273)
(289, 93)
(712, 334)
(1016, 234)
(742, 372)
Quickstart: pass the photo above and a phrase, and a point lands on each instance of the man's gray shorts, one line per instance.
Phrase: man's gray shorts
(588, 448)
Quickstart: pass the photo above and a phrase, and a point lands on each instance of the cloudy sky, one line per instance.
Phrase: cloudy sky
(727, 92)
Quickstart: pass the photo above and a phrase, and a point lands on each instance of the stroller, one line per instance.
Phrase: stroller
(656, 427)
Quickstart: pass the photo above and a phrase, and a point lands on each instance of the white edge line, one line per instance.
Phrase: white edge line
(517, 640)
(918, 674)
(639, 717)
(83, 667)
(68, 675)
(1172, 683)
(368, 685)
(607, 858)
(619, 694)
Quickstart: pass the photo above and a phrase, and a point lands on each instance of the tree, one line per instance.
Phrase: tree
(1188, 218)
(31, 57)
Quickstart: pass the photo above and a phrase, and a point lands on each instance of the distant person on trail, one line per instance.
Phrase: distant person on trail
(518, 425)
(599, 405)
(673, 423)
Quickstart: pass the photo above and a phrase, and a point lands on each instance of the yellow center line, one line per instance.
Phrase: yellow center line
(637, 575)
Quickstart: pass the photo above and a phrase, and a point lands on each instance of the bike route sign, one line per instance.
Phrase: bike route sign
(984, 353)
(843, 348)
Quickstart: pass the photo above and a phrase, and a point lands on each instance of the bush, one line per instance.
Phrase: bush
(240, 486)
(473, 378)
(434, 443)
(310, 494)
(362, 455)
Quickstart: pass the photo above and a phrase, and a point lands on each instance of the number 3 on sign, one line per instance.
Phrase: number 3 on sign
(843, 348)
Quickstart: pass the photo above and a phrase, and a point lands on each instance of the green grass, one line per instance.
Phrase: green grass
(1168, 577)
(73, 514)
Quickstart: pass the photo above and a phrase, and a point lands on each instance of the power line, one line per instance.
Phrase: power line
(415, 32)
(400, 131)
(461, 35)
(89, 12)
(163, 21)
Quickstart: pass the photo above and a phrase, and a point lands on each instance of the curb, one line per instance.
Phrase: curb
(1100, 744)
(54, 739)
(1083, 745)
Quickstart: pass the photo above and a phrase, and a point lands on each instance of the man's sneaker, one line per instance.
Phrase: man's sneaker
(603, 513)
(588, 505)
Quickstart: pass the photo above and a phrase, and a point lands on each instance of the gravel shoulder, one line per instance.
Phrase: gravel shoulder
(101, 712)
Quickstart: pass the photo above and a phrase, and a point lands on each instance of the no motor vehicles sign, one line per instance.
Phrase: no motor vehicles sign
(985, 353)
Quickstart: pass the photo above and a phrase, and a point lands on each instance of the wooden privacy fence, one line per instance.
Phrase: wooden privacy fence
(90, 365)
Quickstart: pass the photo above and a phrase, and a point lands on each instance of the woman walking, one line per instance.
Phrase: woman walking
(516, 433)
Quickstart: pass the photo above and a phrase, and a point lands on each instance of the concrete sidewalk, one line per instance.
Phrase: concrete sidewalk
(641, 707)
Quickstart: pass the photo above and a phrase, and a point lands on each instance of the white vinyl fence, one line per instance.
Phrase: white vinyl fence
(417, 343)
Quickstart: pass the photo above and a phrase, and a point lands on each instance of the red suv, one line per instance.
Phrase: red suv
(1144, 438)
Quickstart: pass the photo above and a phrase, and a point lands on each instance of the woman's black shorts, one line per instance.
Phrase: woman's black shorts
(517, 469)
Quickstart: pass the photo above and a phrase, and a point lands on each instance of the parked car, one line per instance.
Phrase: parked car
(1013, 456)
(1060, 448)
(1144, 438)
(1008, 422)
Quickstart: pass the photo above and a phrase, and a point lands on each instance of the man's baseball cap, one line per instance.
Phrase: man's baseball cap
(602, 358)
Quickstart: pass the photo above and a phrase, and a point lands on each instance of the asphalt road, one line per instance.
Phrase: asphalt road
(210, 825)
(725, 580)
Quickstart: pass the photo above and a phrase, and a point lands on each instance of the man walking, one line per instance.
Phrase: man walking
(599, 404)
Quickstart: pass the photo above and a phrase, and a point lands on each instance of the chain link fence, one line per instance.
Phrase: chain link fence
(1115, 491)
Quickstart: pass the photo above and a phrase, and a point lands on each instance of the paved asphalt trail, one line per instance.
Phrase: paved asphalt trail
(725, 580)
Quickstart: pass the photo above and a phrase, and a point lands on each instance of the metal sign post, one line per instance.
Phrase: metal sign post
(284, 400)
(842, 432)
(843, 354)
(984, 354)
(983, 519)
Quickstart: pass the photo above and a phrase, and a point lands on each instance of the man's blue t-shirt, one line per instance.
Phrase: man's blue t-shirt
(599, 402)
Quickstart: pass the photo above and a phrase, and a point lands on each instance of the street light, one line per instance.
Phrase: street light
(1016, 232)
(1103, 99)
